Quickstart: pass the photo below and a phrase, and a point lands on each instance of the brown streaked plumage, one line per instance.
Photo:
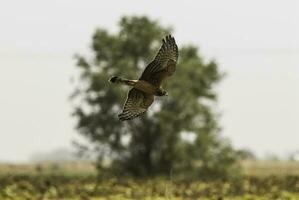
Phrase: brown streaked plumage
(141, 96)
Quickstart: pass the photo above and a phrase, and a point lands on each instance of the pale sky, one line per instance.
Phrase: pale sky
(255, 42)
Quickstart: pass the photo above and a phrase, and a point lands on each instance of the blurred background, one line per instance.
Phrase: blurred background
(51, 50)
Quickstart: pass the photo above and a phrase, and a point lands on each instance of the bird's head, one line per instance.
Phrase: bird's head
(162, 93)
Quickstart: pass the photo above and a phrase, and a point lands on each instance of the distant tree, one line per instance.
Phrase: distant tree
(270, 156)
(56, 156)
(294, 156)
(245, 154)
(178, 133)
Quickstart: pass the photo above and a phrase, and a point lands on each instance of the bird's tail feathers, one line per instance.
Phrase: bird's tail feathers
(115, 79)
(122, 81)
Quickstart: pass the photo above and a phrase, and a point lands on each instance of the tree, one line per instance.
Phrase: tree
(179, 132)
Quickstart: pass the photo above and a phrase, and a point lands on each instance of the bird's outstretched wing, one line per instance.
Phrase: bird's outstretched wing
(136, 103)
(164, 63)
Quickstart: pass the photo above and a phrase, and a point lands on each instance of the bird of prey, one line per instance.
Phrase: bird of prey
(141, 96)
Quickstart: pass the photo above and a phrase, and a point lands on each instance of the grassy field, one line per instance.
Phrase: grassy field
(70, 181)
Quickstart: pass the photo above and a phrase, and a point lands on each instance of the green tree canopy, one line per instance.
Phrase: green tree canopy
(179, 132)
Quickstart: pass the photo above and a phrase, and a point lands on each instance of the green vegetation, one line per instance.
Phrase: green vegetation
(179, 133)
(72, 181)
(22, 187)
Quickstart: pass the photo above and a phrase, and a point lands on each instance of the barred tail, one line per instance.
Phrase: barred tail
(115, 79)
(122, 81)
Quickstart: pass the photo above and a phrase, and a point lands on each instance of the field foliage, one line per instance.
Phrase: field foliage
(79, 184)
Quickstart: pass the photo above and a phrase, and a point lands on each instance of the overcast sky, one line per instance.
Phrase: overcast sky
(255, 42)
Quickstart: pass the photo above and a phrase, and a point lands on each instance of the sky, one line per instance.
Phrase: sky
(256, 43)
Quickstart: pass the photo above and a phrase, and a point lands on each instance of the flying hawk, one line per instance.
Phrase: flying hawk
(141, 96)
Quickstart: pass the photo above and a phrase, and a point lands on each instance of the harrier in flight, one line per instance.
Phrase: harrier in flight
(141, 96)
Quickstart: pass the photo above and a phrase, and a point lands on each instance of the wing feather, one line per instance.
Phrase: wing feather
(164, 62)
(136, 104)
